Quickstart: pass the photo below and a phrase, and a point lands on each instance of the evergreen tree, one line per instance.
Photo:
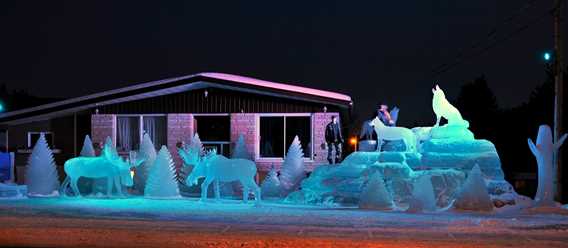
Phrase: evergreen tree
(271, 187)
(478, 105)
(88, 150)
(293, 170)
(375, 195)
(161, 179)
(148, 153)
(240, 150)
(41, 174)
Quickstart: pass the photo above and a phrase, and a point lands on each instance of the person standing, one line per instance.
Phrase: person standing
(334, 139)
(385, 115)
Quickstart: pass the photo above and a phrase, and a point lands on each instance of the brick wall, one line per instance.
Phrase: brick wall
(180, 128)
(102, 126)
(245, 123)
(320, 120)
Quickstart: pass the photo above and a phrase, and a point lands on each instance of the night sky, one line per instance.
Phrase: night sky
(372, 50)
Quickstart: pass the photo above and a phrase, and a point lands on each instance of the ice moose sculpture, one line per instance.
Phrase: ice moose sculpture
(108, 165)
(393, 133)
(544, 151)
(218, 168)
(443, 108)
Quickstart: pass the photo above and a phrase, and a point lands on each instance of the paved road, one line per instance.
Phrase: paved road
(136, 222)
(44, 231)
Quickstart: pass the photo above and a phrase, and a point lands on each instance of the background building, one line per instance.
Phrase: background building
(218, 106)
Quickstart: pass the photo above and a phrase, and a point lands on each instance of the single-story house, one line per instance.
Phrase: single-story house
(218, 106)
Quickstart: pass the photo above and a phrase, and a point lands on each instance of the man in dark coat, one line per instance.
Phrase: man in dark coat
(333, 139)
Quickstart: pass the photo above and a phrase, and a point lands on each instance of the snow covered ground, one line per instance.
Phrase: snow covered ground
(535, 227)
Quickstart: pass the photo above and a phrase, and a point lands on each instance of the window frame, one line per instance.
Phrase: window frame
(140, 125)
(220, 143)
(281, 159)
(29, 134)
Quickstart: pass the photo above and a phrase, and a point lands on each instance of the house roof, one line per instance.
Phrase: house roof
(175, 85)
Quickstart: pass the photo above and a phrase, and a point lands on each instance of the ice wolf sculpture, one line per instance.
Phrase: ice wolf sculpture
(543, 152)
(109, 166)
(393, 133)
(443, 108)
(218, 168)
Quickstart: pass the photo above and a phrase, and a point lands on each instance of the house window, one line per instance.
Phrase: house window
(155, 127)
(34, 136)
(278, 132)
(131, 128)
(127, 133)
(214, 132)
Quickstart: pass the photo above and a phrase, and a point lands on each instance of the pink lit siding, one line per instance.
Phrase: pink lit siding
(245, 124)
(180, 128)
(102, 126)
(273, 85)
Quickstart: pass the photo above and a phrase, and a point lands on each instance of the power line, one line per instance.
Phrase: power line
(491, 37)
(446, 67)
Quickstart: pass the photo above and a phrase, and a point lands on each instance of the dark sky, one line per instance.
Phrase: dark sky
(372, 50)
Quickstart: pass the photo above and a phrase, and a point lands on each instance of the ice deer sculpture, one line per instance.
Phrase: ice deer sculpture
(544, 151)
(112, 167)
(393, 133)
(443, 108)
(218, 168)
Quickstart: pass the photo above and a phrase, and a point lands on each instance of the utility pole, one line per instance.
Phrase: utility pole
(558, 88)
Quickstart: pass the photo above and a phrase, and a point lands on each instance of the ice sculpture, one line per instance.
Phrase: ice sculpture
(99, 184)
(41, 174)
(423, 195)
(473, 194)
(87, 150)
(393, 133)
(375, 195)
(240, 150)
(544, 151)
(293, 170)
(148, 154)
(108, 165)
(218, 168)
(161, 181)
(443, 108)
(271, 187)
(190, 154)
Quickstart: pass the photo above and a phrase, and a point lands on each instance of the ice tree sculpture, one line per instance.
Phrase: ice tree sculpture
(473, 194)
(544, 152)
(87, 150)
(162, 179)
(148, 153)
(443, 108)
(423, 195)
(240, 150)
(293, 170)
(41, 174)
(375, 194)
(217, 168)
(271, 187)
